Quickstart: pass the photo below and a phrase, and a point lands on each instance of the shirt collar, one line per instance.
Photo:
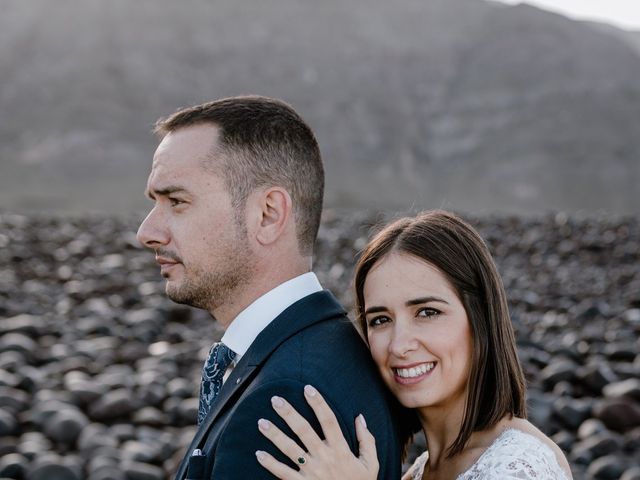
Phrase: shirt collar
(244, 329)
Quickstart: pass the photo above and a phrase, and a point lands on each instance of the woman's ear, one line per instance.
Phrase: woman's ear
(275, 213)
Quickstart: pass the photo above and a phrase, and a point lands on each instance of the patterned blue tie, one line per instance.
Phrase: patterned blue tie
(213, 370)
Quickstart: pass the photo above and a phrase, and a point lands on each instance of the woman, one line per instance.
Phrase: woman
(433, 311)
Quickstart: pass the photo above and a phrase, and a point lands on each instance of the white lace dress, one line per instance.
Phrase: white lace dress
(513, 454)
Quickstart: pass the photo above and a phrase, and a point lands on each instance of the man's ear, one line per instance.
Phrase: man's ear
(276, 209)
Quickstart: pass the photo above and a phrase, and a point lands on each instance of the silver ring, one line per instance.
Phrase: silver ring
(302, 460)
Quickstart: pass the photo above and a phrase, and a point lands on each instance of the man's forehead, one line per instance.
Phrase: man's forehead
(186, 146)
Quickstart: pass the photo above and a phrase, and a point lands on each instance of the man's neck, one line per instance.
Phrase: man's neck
(240, 300)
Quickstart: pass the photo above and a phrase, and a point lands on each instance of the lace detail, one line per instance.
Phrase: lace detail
(514, 454)
(417, 469)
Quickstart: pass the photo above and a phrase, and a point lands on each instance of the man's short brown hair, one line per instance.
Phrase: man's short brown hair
(262, 142)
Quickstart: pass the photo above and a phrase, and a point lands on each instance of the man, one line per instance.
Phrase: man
(237, 186)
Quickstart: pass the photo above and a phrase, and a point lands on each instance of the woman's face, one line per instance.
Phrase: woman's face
(418, 332)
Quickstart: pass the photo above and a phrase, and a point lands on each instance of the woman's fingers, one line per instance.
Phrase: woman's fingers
(277, 468)
(326, 417)
(366, 445)
(297, 423)
(285, 444)
(327, 459)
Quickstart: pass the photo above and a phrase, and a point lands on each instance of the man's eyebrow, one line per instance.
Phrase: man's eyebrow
(163, 192)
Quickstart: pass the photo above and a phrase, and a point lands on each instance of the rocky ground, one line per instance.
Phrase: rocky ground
(99, 371)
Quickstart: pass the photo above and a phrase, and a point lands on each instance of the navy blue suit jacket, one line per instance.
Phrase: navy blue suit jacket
(311, 342)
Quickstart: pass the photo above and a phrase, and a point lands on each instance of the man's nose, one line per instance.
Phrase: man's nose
(151, 233)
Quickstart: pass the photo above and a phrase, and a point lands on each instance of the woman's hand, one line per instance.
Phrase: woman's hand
(327, 459)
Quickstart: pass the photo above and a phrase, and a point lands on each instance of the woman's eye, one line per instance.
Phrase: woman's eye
(377, 321)
(428, 312)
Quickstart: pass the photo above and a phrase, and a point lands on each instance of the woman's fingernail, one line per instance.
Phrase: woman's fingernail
(277, 402)
(310, 391)
(264, 424)
(260, 455)
(362, 420)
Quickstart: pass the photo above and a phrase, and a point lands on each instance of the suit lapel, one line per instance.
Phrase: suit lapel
(314, 308)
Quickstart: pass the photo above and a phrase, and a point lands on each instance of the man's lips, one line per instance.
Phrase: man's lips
(165, 261)
(166, 264)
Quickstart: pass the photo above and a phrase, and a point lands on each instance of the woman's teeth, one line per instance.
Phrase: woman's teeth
(414, 371)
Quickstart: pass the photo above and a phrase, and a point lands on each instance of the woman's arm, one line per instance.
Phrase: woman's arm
(320, 459)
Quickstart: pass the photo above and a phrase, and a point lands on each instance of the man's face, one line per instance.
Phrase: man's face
(200, 243)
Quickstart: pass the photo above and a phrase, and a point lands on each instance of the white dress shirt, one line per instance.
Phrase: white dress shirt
(244, 329)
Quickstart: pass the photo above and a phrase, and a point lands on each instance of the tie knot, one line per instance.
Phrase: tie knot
(220, 356)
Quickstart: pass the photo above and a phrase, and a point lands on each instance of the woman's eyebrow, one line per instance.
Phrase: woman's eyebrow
(375, 310)
(421, 300)
(408, 303)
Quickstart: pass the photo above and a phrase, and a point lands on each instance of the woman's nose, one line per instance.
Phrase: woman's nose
(402, 342)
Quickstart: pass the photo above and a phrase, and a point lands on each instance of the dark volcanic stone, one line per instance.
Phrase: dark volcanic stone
(596, 376)
(32, 444)
(619, 414)
(44, 410)
(123, 431)
(600, 444)
(138, 451)
(8, 379)
(558, 371)
(609, 467)
(8, 445)
(620, 352)
(12, 360)
(589, 427)
(107, 473)
(150, 416)
(152, 394)
(18, 342)
(180, 387)
(13, 400)
(94, 436)
(8, 424)
(113, 404)
(632, 440)
(188, 410)
(632, 473)
(626, 388)
(13, 465)
(54, 467)
(632, 316)
(30, 325)
(142, 471)
(564, 440)
(65, 425)
(571, 412)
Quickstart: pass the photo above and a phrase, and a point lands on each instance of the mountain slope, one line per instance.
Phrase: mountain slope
(458, 103)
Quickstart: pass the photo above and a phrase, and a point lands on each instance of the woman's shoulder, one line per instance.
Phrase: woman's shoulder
(527, 427)
(417, 469)
(521, 451)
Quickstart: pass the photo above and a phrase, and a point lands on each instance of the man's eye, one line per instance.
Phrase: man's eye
(428, 312)
(377, 321)
(175, 201)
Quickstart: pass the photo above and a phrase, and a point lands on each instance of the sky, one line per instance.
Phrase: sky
(621, 13)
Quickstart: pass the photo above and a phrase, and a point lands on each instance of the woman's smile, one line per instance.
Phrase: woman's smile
(410, 375)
